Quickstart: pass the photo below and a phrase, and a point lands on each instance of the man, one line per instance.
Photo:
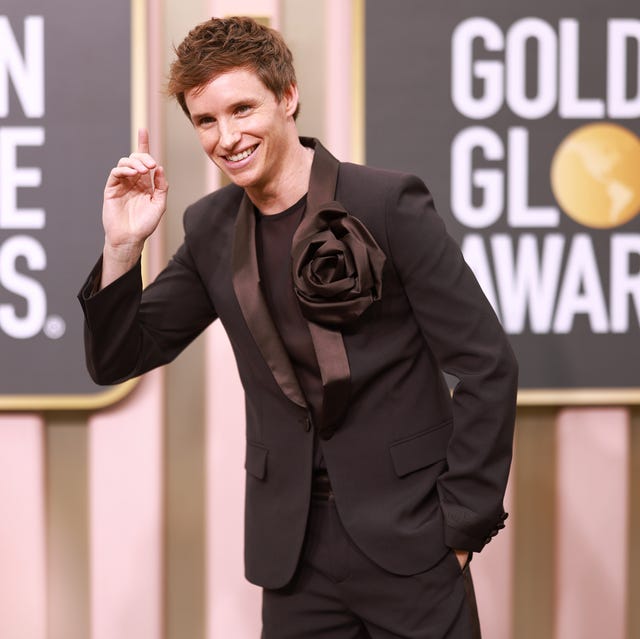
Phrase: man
(369, 484)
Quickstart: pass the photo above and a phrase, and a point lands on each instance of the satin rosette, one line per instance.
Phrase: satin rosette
(337, 267)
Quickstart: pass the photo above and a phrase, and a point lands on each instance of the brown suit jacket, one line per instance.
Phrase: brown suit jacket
(415, 468)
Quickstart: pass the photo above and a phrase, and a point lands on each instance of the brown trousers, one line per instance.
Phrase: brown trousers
(338, 593)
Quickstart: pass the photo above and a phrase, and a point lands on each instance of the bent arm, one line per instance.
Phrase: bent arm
(129, 331)
(463, 332)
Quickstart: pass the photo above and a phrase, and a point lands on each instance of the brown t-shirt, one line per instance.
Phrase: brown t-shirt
(274, 234)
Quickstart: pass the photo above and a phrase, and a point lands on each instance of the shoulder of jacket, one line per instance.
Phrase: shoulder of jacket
(374, 178)
(214, 208)
(373, 188)
(351, 169)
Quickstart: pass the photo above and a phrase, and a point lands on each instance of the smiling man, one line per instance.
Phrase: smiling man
(369, 484)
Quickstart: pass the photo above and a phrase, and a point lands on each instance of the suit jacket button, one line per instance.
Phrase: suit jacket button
(307, 424)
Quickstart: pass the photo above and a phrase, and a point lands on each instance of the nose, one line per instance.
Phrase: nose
(229, 135)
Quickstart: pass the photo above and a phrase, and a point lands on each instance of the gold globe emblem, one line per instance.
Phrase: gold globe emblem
(595, 175)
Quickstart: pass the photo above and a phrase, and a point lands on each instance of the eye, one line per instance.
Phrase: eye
(242, 109)
(205, 121)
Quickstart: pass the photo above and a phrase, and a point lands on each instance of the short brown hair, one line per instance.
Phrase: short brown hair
(223, 44)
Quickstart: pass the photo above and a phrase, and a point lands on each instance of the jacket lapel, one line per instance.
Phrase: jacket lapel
(328, 343)
(246, 283)
(324, 177)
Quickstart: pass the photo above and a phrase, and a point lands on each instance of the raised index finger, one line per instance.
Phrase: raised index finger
(143, 140)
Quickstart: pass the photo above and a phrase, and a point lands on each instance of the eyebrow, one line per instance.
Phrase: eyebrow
(241, 102)
(197, 116)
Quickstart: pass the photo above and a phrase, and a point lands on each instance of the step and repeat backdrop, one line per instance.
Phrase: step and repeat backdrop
(524, 122)
(65, 111)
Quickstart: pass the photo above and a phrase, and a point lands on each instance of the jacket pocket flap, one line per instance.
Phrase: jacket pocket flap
(256, 460)
(421, 450)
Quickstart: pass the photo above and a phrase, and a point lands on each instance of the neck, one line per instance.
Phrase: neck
(292, 185)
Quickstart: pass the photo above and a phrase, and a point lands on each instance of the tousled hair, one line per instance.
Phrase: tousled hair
(220, 45)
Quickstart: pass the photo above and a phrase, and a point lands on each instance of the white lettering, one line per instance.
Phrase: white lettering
(570, 104)
(475, 255)
(464, 178)
(546, 64)
(22, 327)
(624, 284)
(26, 72)
(465, 69)
(521, 214)
(12, 177)
(527, 281)
(619, 33)
(581, 291)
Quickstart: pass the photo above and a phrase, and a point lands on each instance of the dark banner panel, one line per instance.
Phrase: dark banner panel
(65, 111)
(524, 123)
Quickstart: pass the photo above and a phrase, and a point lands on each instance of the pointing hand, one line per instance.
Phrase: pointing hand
(135, 198)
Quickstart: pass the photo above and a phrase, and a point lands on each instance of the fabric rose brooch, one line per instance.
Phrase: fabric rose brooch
(337, 267)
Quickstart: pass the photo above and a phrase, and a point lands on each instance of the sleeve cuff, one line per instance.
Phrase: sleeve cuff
(91, 287)
(460, 539)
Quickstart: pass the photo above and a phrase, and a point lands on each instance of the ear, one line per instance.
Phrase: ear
(290, 99)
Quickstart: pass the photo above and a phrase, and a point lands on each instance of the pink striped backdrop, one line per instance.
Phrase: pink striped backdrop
(127, 473)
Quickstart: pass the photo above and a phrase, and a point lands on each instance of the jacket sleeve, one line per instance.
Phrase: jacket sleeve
(463, 332)
(129, 331)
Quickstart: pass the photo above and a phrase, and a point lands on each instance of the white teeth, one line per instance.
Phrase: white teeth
(241, 156)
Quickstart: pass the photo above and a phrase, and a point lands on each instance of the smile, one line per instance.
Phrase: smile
(241, 156)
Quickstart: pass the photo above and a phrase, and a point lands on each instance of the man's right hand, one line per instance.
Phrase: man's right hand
(135, 198)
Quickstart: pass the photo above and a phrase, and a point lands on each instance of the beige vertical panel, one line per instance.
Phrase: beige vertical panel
(185, 551)
(68, 582)
(341, 90)
(23, 610)
(344, 51)
(259, 9)
(592, 491)
(534, 482)
(492, 571)
(358, 124)
(125, 452)
(233, 603)
(304, 29)
(633, 581)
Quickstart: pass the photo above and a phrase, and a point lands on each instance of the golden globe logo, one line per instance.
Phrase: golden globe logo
(595, 175)
(538, 276)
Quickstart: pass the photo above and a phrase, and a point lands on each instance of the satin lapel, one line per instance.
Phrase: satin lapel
(324, 178)
(246, 283)
(328, 343)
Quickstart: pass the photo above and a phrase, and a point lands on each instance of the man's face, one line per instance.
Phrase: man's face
(244, 129)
